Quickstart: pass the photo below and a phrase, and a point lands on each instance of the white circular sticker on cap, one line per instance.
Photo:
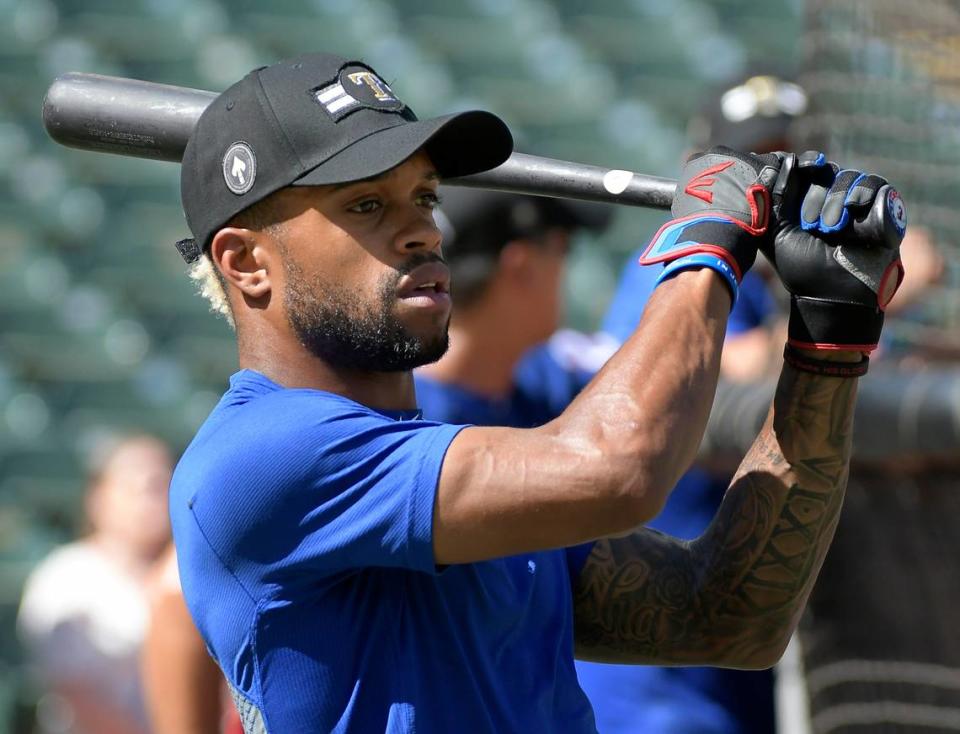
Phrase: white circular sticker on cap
(239, 168)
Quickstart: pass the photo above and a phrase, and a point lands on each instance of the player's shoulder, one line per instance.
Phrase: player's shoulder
(264, 438)
(258, 413)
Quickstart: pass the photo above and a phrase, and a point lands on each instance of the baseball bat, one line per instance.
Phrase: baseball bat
(150, 120)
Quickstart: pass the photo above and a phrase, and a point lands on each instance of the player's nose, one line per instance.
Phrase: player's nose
(420, 232)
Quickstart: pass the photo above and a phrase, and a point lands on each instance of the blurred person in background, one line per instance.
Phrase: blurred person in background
(752, 113)
(84, 610)
(507, 364)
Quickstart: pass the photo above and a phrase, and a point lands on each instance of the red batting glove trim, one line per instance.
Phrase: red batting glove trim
(896, 267)
(760, 215)
(865, 348)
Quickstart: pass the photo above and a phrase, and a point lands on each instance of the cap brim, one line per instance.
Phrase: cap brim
(458, 145)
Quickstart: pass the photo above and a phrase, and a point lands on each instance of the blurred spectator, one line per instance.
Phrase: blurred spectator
(507, 365)
(84, 609)
(755, 114)
(923, 266)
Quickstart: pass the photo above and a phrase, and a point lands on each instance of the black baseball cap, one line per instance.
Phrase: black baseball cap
(312, 120)
(476, 222)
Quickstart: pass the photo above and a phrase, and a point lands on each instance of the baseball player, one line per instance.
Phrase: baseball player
(354, 568)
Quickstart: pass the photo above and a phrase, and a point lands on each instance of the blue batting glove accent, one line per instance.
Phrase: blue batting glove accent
(845, 216)
(703, 260)
(670, 238)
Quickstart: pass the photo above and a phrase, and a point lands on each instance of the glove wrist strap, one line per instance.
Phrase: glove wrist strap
(824, 367)
(703, 260)
(817, 323)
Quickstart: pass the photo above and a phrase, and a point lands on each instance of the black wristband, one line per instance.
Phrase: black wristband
(825, 367)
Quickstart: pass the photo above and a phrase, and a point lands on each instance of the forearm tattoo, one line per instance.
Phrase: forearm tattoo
(736, 592)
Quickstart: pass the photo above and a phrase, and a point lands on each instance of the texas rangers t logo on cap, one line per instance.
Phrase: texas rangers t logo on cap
(239, 168)
(356, 87)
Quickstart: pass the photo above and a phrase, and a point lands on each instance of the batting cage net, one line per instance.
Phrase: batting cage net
(884, 83)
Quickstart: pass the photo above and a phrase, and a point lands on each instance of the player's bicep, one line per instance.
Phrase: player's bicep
(504, 491)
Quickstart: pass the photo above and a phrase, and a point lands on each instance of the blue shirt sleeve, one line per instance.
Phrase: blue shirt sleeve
(324, 491)
(633, 291)
(576, 557)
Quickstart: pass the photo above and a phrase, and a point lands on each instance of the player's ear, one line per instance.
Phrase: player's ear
(243, 261)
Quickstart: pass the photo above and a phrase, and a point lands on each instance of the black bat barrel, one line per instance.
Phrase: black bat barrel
(123, 116)
(525, 174)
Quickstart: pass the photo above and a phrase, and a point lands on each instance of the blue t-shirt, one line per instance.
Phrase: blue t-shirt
(303, 525)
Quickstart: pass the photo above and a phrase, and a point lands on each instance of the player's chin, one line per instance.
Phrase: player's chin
(425, 316)
(431, 338)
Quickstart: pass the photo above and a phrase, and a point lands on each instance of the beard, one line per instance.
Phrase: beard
(338, 326)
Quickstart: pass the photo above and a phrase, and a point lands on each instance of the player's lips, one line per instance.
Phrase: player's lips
(426, 285)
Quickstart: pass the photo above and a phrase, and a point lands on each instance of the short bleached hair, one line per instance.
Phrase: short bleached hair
(262, 215)
(210, 285)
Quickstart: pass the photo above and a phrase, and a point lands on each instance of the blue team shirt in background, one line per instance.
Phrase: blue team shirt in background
(753, 307)
(303, 525)
(630, 699)
(681, 700)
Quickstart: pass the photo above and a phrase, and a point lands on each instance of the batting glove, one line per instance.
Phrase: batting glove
(837, 251)
(721, 215)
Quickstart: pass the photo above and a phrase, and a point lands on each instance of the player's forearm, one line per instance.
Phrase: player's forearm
(644, 414)
(733, 596)
(762, 553)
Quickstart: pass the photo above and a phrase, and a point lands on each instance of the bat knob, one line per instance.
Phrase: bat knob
(885, 222)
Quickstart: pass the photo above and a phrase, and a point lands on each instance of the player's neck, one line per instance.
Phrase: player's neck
(287, 363)
(481, 359)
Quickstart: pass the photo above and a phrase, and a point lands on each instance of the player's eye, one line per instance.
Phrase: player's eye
(429, 199)
(367, 206)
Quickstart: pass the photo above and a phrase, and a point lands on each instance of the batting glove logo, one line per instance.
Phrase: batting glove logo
(701, 184)
(239, 168)
(897, 210)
